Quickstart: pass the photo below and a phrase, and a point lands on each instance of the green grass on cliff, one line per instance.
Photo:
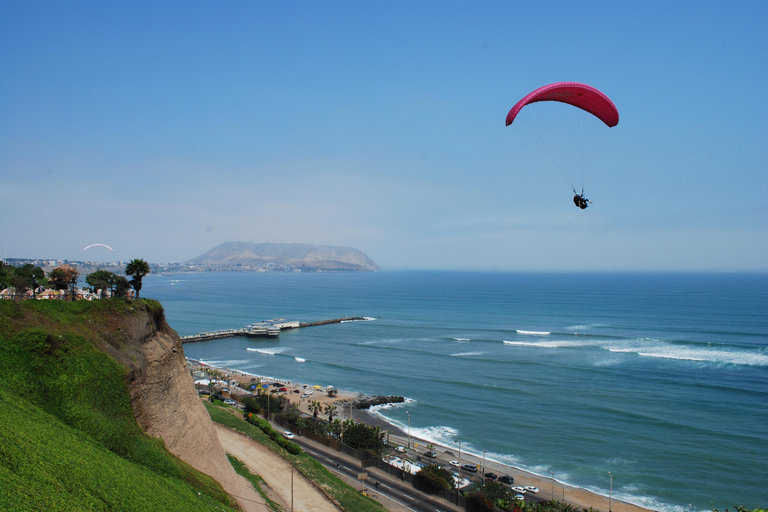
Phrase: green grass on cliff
(348, 498)
(68, 438)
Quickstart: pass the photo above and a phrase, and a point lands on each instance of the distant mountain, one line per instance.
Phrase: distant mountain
(286, 256)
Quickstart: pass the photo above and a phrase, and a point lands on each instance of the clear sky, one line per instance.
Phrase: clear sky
(166, 128)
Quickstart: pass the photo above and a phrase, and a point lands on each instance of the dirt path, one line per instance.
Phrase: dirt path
(276, 472)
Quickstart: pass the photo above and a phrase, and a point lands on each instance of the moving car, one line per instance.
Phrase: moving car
(454, 463)
(518, 490)
(530, 488)
(506, 479)
(288, 435)
(469, 467)
(519, 497)
(229, 402)
(491, 476)
(430, 454)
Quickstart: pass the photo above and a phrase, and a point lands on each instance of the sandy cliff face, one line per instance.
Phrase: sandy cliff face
(166, 404)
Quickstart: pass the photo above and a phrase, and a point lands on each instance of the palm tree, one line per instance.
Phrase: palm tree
(137, 269)
(330, 410)
(316, 407)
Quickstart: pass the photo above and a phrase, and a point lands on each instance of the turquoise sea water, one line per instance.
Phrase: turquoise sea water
(660, 379)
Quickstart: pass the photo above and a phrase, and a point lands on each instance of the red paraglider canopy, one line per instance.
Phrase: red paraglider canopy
(579, 95)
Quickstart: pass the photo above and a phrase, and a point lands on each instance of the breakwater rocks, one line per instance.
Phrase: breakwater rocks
(366, 402)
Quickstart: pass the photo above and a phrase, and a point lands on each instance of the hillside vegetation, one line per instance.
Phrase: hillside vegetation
(68, 437)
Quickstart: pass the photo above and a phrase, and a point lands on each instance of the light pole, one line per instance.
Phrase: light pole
(484, 460)
(459, 457)
(292, 461)
(409, 429)
(553, 486)
(610, 495)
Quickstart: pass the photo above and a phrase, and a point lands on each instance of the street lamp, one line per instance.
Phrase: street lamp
(552, 492)
(459, 457)
(409, 429)
(484, 460)
(610, 495)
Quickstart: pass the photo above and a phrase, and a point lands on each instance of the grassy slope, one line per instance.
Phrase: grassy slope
(66, 425)
(346, 496)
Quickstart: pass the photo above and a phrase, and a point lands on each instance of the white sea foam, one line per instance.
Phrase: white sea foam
(269, 351)
(383, 407)
(362, 319)
(464, 354)
(547, 344)
(533, 333)
(663, 350)
(461, 339)
(300, 359)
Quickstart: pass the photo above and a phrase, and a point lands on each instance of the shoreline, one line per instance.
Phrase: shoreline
(549, 487)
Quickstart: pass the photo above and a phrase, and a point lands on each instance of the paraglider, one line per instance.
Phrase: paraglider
(98, 245)
(581, 96)
(579, 199)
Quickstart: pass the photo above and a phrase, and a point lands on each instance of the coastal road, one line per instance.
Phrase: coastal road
(395, 495)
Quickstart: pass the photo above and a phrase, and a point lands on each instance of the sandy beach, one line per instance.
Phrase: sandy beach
(549, 488)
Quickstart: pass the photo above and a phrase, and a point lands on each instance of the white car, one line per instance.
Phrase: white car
(288, 435)
(454, 463)
(530, 488)
(400, 449)
(229, 402)
(518, 490)
(519, 497)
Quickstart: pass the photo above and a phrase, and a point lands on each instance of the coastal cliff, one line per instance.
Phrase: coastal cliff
(163, 396)
(115, 371)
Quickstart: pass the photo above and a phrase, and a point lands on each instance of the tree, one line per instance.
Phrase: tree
(432, 478)
(363, 437)
(330, 410)
(6, 271)
(120, 286)
(316, 407)
(27, 277)
(100, 280)
(137, 269)
(63, 278)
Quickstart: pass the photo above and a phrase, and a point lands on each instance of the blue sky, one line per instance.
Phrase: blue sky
(165, 128)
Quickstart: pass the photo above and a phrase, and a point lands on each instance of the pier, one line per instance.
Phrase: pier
(266, 329)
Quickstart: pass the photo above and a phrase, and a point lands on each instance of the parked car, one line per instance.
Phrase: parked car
(519, 490)
(283, 389)
(454, 463)
(430, 454)
(491, 476)
(530, 488)
(230, 402)
(288, 435)
(519, 497)
(469, 467)
(219, 396)
(400, 449)
(506, 479)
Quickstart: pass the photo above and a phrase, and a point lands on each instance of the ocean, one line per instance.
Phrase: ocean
(659, 379)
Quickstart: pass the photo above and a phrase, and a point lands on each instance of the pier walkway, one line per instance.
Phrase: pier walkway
(266, 329)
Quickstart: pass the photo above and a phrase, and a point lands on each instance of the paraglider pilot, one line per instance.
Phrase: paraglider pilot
(580, 201)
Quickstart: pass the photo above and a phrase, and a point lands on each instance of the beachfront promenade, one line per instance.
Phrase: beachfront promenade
(265, 329)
